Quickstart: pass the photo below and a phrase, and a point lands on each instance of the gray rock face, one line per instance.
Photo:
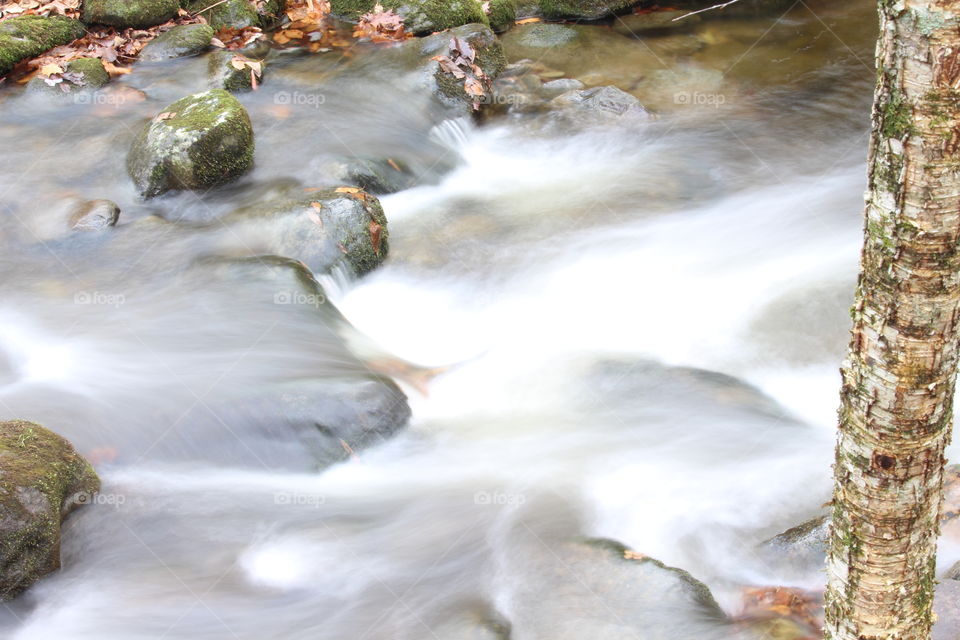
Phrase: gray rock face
(200, 141)
(26, 36)
(42, 480)
(179, 42)
(224, 74)
(95, 215)
(236, 14)
(598, 105)
(325, 230)
(599, 589)
(129, 13)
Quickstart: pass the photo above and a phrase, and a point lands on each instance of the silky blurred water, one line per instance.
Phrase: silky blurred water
(645, 325)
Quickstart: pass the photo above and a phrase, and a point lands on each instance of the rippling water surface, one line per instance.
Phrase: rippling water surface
(646, 323)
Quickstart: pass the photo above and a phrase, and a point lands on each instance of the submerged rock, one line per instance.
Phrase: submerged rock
(601, 589)
(95, 215)
(200, 141)
(653, 21)
(326, 230)
(43, 479)
(181, 41)
(224, 74)
(419, 16)
(372, 175)
(129, 13)
(598, 105)
(27, 36)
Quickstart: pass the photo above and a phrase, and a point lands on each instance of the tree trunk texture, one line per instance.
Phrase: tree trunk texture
(899, 376)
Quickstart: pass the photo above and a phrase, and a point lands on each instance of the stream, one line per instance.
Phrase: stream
(640, 328)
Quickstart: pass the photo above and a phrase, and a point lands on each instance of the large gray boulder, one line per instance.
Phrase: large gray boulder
(42, 480)
(200, 141)
(27, 36)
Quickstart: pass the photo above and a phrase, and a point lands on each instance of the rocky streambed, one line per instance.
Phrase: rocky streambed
(505, 330)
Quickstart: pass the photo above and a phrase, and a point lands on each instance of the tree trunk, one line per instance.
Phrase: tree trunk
(898, 380)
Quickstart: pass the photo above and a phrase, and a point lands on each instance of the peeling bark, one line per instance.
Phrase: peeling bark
(899, 376)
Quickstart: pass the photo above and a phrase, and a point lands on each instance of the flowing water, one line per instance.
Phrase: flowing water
(647, 323)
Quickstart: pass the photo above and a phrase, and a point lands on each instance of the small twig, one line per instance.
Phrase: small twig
(716, 6)
(222, 1)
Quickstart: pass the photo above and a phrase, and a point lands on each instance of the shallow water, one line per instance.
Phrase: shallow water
(647, 324)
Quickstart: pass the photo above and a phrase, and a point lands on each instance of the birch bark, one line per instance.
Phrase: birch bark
(900, 373)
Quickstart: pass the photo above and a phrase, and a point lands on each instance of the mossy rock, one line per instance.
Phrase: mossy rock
(489, 57)
(129, 13)
(42, 480)
(200, 141)
(325, 230)
(179, 42)
(502, 14)
(81, 77)
(27, 36)
(583, 9)
(374, 175)
(420, 17)
(223, 75)
(237, 14)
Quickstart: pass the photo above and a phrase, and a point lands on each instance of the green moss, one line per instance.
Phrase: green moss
(897, 118)
(585, 9)
(43, 479)
(237, 14)
(94, 75)
(129, 13)
(502, 14)
(419, 16)
(28, 36)
(206, 142)
(490, 58)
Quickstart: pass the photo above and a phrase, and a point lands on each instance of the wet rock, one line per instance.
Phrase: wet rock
(129, 13)
(224, 74)
(200, 141)
(79, 79)
(27, 36)
(334, 416)
(42, 480)
(800, 550)
(554, 88)
(598, 105)
(652, 22)
(420, 17)
(179, 42)
(601, 589)
(946, 606)
(326, 230)
(489, 57)
(236, 14)
(95, 215)
(374, 176)
(583, 9)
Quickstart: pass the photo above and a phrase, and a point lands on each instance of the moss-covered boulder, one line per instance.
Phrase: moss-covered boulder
(237, 14)
(420, 17)
(179, 42)
(327, 230)
(129, 13)
(79, 78)
(42, 480)
(28, 36)
(232, 71)
(583, 9)
(374, 175)
(200, 141)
